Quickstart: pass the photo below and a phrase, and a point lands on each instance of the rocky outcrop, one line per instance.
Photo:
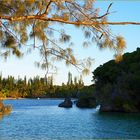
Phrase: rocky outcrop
(87, 102)
(66, 104)
(106, 108)
(124, 107)
(117, 85)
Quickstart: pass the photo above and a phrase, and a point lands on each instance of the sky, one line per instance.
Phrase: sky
(125, 10)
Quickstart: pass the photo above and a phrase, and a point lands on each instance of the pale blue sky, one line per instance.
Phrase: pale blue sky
(125, 11)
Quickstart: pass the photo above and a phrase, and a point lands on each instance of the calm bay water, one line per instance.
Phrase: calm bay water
(43, 120)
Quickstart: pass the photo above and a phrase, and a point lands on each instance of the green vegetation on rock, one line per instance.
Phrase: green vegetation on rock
(118, 84)
(86, 98)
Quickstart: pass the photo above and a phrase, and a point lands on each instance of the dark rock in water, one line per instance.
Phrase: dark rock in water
(66, 104)
(87, 102)
(105, 108)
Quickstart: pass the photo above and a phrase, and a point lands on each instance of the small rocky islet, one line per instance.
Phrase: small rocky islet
(66, 104)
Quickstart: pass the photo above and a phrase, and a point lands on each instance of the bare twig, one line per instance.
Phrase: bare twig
(47, 9)
(107, 13)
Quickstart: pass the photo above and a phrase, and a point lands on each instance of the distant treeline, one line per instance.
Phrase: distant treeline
(42, 87)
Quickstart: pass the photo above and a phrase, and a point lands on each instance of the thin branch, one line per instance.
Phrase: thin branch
(109, 7)
(8, 7)
(91, 23)
(79, 9)
(56, 44)
(64, 58)
(107, 13)
(71, 12)
(47, 8)
(11, 33)
(46, 58)
(54, 30)
(34, 32)
(77, 6)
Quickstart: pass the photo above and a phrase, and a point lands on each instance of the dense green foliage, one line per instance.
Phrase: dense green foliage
(40, 87)
(118, 84)
(86, 97)
(87, 100)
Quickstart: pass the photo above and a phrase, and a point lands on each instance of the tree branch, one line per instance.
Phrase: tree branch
(47, 9)
(86, 23)
(107, 12)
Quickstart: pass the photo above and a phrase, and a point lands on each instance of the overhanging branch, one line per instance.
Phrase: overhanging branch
(86, 23)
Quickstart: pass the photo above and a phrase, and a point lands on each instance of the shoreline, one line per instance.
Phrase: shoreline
(9, 98)
(36, 98)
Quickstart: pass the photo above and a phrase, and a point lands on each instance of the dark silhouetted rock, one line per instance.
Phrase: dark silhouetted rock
(113, 108)
(106, 108)
(66, 104)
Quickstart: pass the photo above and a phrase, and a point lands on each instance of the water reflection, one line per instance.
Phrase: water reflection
(120, 116)
(4, 110)
(117, 125)
(1, 116)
